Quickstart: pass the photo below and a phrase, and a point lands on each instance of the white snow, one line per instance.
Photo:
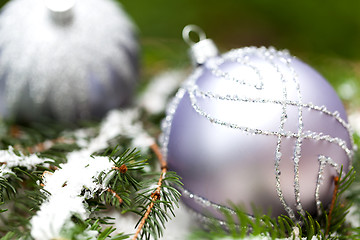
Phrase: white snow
(156, 96)
(57, 210)
(9, 159)
(124, 123)
(65, 185)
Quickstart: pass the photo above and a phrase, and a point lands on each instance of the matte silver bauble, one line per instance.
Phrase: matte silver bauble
(256, 126)
(65, 60)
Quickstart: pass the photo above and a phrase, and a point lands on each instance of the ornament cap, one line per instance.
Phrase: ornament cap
(61, 11)
(203, 49)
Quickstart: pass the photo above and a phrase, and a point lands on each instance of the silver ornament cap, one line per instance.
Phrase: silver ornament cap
(61, 12)
(202, 50)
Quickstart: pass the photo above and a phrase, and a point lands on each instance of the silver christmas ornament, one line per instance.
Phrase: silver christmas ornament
(255, 126)
(65, 60)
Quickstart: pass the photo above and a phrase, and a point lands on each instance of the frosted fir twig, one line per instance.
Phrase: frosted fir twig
(64, 187)
(81, 171)
(157, 193)
(9, 159)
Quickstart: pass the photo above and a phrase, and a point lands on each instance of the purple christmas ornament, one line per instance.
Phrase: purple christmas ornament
(66, 60)
(255, 126)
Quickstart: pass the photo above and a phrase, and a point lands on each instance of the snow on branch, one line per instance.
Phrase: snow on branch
(10, 159)
(65, 185)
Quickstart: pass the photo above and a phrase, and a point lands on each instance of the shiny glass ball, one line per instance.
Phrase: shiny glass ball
(257, 126)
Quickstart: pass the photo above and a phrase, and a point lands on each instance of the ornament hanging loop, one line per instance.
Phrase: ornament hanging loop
(203, 49)
(195, 29)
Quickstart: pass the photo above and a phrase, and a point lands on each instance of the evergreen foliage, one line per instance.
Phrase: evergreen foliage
(163, 206)
(129, 187)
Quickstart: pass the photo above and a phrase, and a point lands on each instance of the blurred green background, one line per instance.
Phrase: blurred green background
(325, 34)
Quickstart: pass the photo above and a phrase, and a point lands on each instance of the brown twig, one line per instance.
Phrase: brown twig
(158, 154)
(336, 182)
(116, 195)
(157, 193)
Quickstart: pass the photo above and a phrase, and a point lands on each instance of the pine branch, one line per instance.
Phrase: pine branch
(120, 184)
(89, 229)
(157, 193)
(112, 186)
(155, 196)
(121, 179)
(148, 225)
(21, 205)
(7, 188)
(28, 136)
